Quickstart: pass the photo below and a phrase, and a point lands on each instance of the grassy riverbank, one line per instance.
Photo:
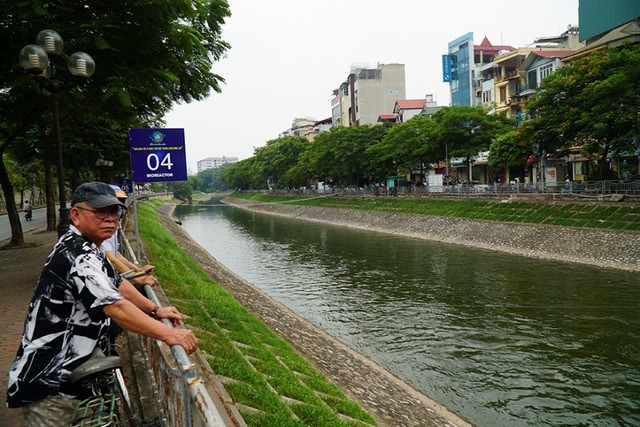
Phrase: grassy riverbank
(273, 384)
(568, 215)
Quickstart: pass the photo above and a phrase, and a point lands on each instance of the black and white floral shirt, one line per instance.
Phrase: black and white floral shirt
(64, 321)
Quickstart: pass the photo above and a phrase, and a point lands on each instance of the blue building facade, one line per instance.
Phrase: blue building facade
(461, 58)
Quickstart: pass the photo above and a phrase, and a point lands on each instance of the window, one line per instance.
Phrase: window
(503, 94)
(545, 70)
(532, 79)
(486, 96)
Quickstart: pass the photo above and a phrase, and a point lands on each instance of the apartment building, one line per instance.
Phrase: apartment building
(214, 162)
(461, 65)
(308, 128)
(369, 92)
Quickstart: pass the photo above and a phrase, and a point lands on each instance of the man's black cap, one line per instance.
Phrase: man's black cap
(96, 194)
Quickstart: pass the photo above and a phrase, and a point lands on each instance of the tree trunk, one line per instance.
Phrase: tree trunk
(50, 195)
(603, 170)
(17, 238)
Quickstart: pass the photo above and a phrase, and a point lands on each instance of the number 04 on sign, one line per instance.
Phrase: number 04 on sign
(157, 155)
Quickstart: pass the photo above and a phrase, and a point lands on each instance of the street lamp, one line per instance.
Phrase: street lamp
(35, 59)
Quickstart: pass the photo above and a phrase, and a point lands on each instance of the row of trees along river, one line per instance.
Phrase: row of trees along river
(590, 103)
(149, 55)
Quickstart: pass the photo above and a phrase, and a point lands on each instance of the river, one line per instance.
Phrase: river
(500, 339)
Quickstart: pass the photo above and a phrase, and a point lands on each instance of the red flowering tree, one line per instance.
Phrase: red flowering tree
(592, 102)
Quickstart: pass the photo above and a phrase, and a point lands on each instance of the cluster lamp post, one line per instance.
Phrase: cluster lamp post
(35, 59)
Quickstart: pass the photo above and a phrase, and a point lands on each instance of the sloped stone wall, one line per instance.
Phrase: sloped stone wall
(603, 248)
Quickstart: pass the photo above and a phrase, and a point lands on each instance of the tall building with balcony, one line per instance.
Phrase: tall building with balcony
(464, 59)
(369, 92)
(214, 162)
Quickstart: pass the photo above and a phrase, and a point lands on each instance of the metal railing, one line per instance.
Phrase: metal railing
(587, 188)
(179, 387)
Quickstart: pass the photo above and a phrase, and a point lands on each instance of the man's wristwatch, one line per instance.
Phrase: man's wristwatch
(154, 312)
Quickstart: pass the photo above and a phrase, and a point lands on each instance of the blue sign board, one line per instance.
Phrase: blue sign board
(125, 184)
(446, 68)
(157, 155)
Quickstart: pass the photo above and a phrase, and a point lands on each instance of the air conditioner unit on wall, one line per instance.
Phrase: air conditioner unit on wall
(507, 102)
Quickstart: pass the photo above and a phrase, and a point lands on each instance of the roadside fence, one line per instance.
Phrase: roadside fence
(585, 188)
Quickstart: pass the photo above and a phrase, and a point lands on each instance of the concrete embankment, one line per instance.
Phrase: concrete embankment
(595, 247)
(390, 400)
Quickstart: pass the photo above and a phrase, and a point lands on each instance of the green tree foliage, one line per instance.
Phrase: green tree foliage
(592, 102)
(465, 131)
(273, 161)
(183, 190)
(212, 179)
(341, 155)
(241, 176)
(149, 54)
(408, 146)
(508, 150)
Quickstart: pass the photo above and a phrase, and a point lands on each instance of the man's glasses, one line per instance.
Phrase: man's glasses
(103, 213)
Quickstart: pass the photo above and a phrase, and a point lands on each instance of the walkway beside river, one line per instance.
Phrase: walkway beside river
(19, 271)
(390, 400)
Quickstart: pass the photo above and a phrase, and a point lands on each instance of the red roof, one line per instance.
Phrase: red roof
(386, 118)
(552, 53)
(489, 48)
(411, 104)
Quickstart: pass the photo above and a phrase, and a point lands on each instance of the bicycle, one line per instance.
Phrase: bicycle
(112, 405)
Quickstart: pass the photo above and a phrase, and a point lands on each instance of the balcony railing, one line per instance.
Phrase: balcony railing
(510, 75)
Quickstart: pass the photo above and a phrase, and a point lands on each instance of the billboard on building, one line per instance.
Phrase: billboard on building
(446, 68)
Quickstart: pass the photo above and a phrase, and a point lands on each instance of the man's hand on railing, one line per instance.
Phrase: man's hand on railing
(183, 337)
(146, 280)
(170, 313)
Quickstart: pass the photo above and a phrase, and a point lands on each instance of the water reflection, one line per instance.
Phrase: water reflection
(501, 339)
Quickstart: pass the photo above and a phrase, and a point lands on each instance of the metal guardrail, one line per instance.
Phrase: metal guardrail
(180, 390)
(587, 188)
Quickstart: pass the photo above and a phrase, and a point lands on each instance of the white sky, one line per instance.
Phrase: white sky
(287, 56)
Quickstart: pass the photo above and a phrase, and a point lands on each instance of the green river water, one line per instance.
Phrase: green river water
(500, 339)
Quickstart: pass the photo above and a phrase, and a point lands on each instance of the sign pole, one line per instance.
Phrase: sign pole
(135, 212)
(157, 155)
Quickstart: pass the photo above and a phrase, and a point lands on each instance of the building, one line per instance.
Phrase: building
(569, 39)
(404, 109)
(605, 23)
(461, 64)
(308, 127)
(369, 92)
(214, 162)
(598, 17)
(538, 65)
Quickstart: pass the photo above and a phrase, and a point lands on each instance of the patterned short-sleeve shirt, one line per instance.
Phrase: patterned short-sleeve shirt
(64, 321)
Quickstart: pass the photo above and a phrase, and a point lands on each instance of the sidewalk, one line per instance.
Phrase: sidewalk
(19, 271)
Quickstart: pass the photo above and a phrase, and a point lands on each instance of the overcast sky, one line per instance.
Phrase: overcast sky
(287, 56)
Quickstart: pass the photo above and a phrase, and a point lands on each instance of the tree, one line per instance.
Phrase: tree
(465, 131)
(273, 161)
(509, 150)
(182, 190)
(341, 154)
(592, 102)
(241, 175)
(150, 54)
(408, 146)
(212, 179)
